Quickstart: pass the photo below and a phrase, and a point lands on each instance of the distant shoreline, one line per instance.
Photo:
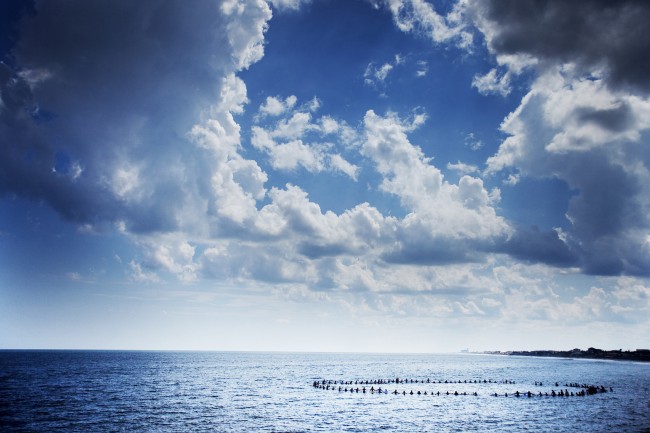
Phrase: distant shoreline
(642, 355)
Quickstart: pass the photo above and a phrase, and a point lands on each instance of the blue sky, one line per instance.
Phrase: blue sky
(386, 175)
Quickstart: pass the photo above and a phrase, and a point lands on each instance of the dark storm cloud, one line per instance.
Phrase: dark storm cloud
(98, 99)
(536, 246)
(590, 33)
(14, 91)
(603, 155)
(315, 251)
(531, 245)
(441, 251)
(615, 119)
(612, 215)
(584, 122)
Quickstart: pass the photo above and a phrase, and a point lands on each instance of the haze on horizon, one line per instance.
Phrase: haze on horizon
(296, 175)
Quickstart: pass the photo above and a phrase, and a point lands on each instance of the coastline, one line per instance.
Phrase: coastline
(639, 355)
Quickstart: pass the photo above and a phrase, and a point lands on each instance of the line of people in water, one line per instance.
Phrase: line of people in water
(585, 388)
(397, 380)
(381, 390)
(341, 386)
(589, 390)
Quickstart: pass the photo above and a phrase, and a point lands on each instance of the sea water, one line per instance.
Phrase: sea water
(116, 391)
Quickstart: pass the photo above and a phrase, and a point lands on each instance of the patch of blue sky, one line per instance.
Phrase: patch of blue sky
(324, 52)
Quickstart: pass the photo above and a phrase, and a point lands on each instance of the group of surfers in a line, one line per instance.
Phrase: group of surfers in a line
(589, 390)
(332, 385)
(379, 390)
(404, 381)
(593, 388)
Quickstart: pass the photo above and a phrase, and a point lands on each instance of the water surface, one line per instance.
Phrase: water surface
(80, 391)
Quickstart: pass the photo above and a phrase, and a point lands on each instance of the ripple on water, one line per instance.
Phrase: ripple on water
(242, 392)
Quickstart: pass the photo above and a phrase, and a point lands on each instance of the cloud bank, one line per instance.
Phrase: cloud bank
(162, 161)
(584, 120)
(90, 131)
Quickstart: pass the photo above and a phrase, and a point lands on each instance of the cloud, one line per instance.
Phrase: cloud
(294, 127)
(376, 76)
(140, 275)
(534, 245)
(462, 168)
(377, 73)
(289, 4)
(593, 138)
(292, 240)
(446, 222)
(595, 36)
(289, 155)
(491, 83)
(531, 293)
(473, 142)
(347, 251)
(584, 121)
(420, 17)
(423, 68)
(300, 240)
(632, 291)
(74, 276)
(406, 170)
(286, 141)
(164, 163)
(91, 134)
(337, 163)
(274, 106)
(170, 253)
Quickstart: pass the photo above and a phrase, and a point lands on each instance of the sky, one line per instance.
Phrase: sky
(325, 175)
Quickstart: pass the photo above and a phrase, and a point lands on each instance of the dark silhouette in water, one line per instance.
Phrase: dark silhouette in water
(585, 389)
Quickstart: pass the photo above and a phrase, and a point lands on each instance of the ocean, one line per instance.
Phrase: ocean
(129, 391)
